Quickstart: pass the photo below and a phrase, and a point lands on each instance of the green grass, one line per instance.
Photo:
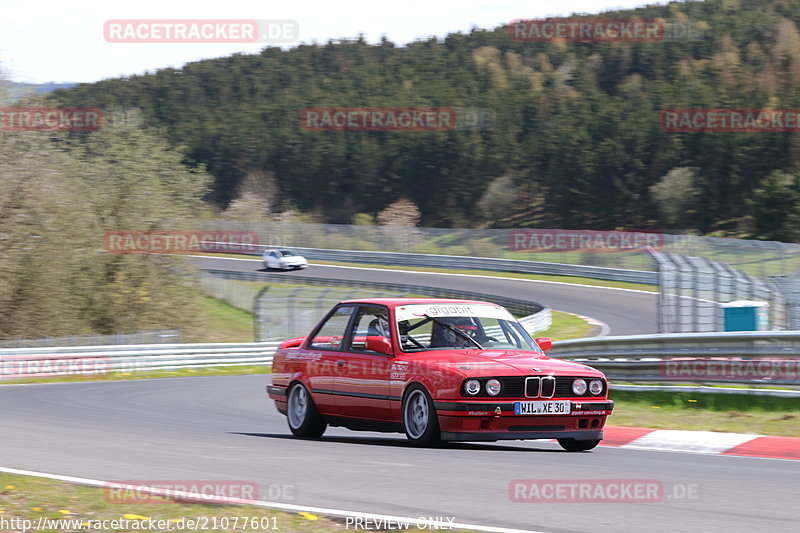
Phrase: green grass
(23, 497)
(708, 412)
(566, 326)
(220, 322)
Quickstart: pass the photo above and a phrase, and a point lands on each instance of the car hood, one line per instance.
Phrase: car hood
(486, 363)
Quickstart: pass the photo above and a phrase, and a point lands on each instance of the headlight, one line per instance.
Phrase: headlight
(472, 387)
(579, 387)
(493, 387)
(595, 386)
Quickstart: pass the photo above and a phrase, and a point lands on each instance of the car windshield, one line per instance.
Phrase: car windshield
(444, 326)
(287, 253)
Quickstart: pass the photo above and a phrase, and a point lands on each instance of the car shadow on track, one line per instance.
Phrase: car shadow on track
(403, 443)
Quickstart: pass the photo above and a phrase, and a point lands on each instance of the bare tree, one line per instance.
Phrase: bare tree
(397, 222)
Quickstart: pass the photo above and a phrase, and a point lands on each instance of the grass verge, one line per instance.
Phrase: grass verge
(220, 322)
(82, 508)
(762, 415)
(565, 326)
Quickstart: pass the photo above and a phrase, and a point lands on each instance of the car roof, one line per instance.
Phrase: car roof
(395, 302)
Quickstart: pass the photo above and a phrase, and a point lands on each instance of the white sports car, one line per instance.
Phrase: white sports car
(283, 260)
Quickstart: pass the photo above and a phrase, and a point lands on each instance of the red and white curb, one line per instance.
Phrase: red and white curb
(604, 328)
(707, 442)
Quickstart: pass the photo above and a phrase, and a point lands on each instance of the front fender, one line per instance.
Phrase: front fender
(442, 383)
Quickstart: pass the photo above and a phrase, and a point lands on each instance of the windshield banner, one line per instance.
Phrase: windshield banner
(411, 312)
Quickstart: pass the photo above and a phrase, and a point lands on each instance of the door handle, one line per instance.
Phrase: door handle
(340, 363)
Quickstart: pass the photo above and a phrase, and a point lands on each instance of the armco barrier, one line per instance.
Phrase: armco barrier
(709, 358)
(481, 263)
(63, 361)
(517, 306)
(754, 358)
(765, 343)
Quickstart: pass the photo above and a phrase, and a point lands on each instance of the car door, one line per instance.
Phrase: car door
(362, 386)
(274, 260)
(324, 355)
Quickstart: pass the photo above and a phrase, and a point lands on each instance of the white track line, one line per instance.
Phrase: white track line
(275, 505)
(450, 274)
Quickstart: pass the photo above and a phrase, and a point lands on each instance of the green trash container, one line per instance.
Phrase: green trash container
(745, 315)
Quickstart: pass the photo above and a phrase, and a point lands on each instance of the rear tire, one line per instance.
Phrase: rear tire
(420, 421)
(572, 445)
(301, 413)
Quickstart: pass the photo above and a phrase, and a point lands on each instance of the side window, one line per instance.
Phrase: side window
(415, 334)
(371, 321)
(330, 335)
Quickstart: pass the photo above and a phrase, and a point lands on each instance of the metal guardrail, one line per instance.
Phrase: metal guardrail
(481, 263)
(517, 306)
(776, 342)
(720, 361)
(757, 258)
(98, 360)
(752, 358)
(286, 312)
(143, 337)
(708, 390)
(469, 263)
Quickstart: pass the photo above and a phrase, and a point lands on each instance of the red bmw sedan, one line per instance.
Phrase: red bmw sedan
(435, 369)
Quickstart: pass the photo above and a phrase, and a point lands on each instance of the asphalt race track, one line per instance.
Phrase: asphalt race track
(625, 312)
(215, 428)
(224, 428)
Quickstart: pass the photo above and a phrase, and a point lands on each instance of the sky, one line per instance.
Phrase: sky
(54, 40)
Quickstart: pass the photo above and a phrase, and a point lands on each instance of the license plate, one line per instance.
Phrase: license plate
(541, 408)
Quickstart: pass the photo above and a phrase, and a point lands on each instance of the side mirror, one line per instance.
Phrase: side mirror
(545, 343)
(379, 344)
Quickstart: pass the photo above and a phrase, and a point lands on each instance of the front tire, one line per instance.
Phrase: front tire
(420, 421)
(301, 413)
(572, 445)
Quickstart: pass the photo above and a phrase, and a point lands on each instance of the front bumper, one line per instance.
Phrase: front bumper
(488, 436)
(490, 421)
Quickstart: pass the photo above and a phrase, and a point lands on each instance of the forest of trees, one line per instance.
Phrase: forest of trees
(577, 141)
